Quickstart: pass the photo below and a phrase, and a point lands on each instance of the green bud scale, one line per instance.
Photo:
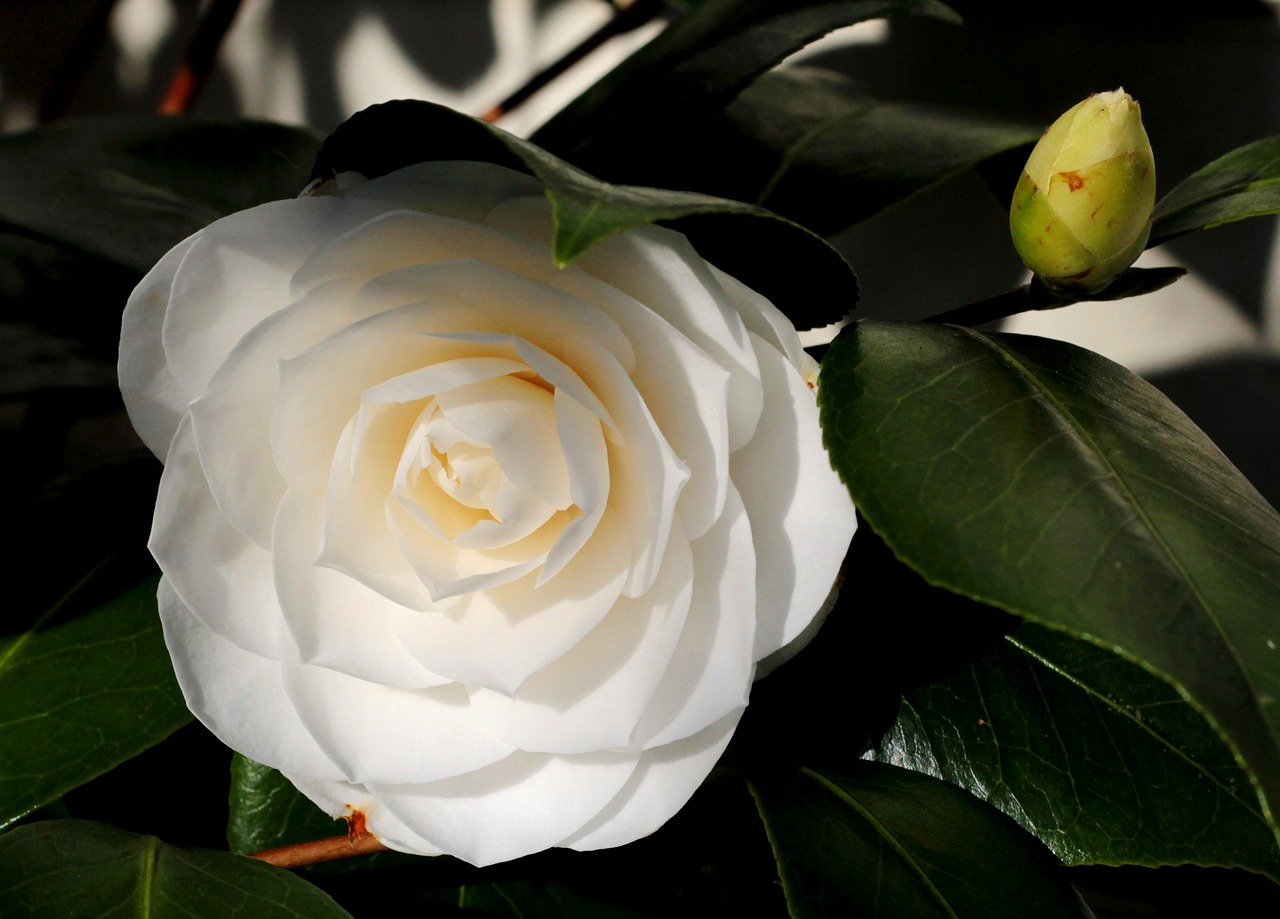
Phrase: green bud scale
(1082, 210)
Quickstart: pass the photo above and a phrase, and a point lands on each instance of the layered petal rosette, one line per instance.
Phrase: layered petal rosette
(484, 549)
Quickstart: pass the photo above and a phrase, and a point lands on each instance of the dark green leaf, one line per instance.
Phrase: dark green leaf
(1047, 481)
(1244, 183)
(128, 189)
(1132, 282)
(80, 697)
(756, 246)
(267, 811)
(674, 85)
(1104, 762)
(881, 841)
(809, 145)
(75, 869)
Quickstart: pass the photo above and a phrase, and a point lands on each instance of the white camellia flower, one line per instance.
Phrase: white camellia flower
(483, 549)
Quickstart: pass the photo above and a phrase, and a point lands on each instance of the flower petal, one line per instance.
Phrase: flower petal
(152, 395)
(236, 273)
(664, 780)
(335, 621)
(221, 576)
(801, 515)
(520, 805)
(592, 696)
(378, 733)
(498, 638)
(712, 666)
(238, 695)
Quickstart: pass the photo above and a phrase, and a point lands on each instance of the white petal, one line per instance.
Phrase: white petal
(356, 539)
(236, 273)
(498, 638)
(238, 695)
(403, 238)
(463, 189)
(587, 457)
(764, 319)
(592, 697)
(220, 575)
(231, 421)
(659, 268)
(448, 571)
(516, 420)
(152, 396)
(521, 805)
(341, 799)
(688, 392)
(711, 670)
(337, 622)
(377, 733)
(510, 302)
(802, 518)
(664, 781)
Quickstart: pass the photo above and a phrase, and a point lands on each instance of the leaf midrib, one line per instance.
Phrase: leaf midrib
(884, 833)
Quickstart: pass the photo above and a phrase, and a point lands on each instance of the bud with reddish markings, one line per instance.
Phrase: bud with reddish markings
(1082, 210)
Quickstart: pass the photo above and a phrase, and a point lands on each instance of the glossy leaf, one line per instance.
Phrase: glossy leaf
(756, 246)
(671, 87)
(1047, 481)
(80, 697)
(76, 869)
(880, 841)
(128, 189)
(266, 811)
(1244, 183)
(808, 144)
(1104, 762)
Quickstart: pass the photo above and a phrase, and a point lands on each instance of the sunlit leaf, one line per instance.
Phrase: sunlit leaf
(75, 869)
(1244, 183)
(1104, 762)
(880, 841)
(1047, 481)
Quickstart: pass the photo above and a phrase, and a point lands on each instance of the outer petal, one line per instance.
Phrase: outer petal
(236, 273)
(711, 670)
(238, 695)
(231, 420)
(456, 188)
(801, 515)
(341, 799)
(664, 780)
(151, 394)
(220, 575)
(521, 805)
(378, 733)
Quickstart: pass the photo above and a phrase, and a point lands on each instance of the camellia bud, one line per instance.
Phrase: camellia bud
(1082, 210)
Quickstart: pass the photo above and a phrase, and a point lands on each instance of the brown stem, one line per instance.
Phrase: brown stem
(320, 850)
(197, 63)
(629, 17)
